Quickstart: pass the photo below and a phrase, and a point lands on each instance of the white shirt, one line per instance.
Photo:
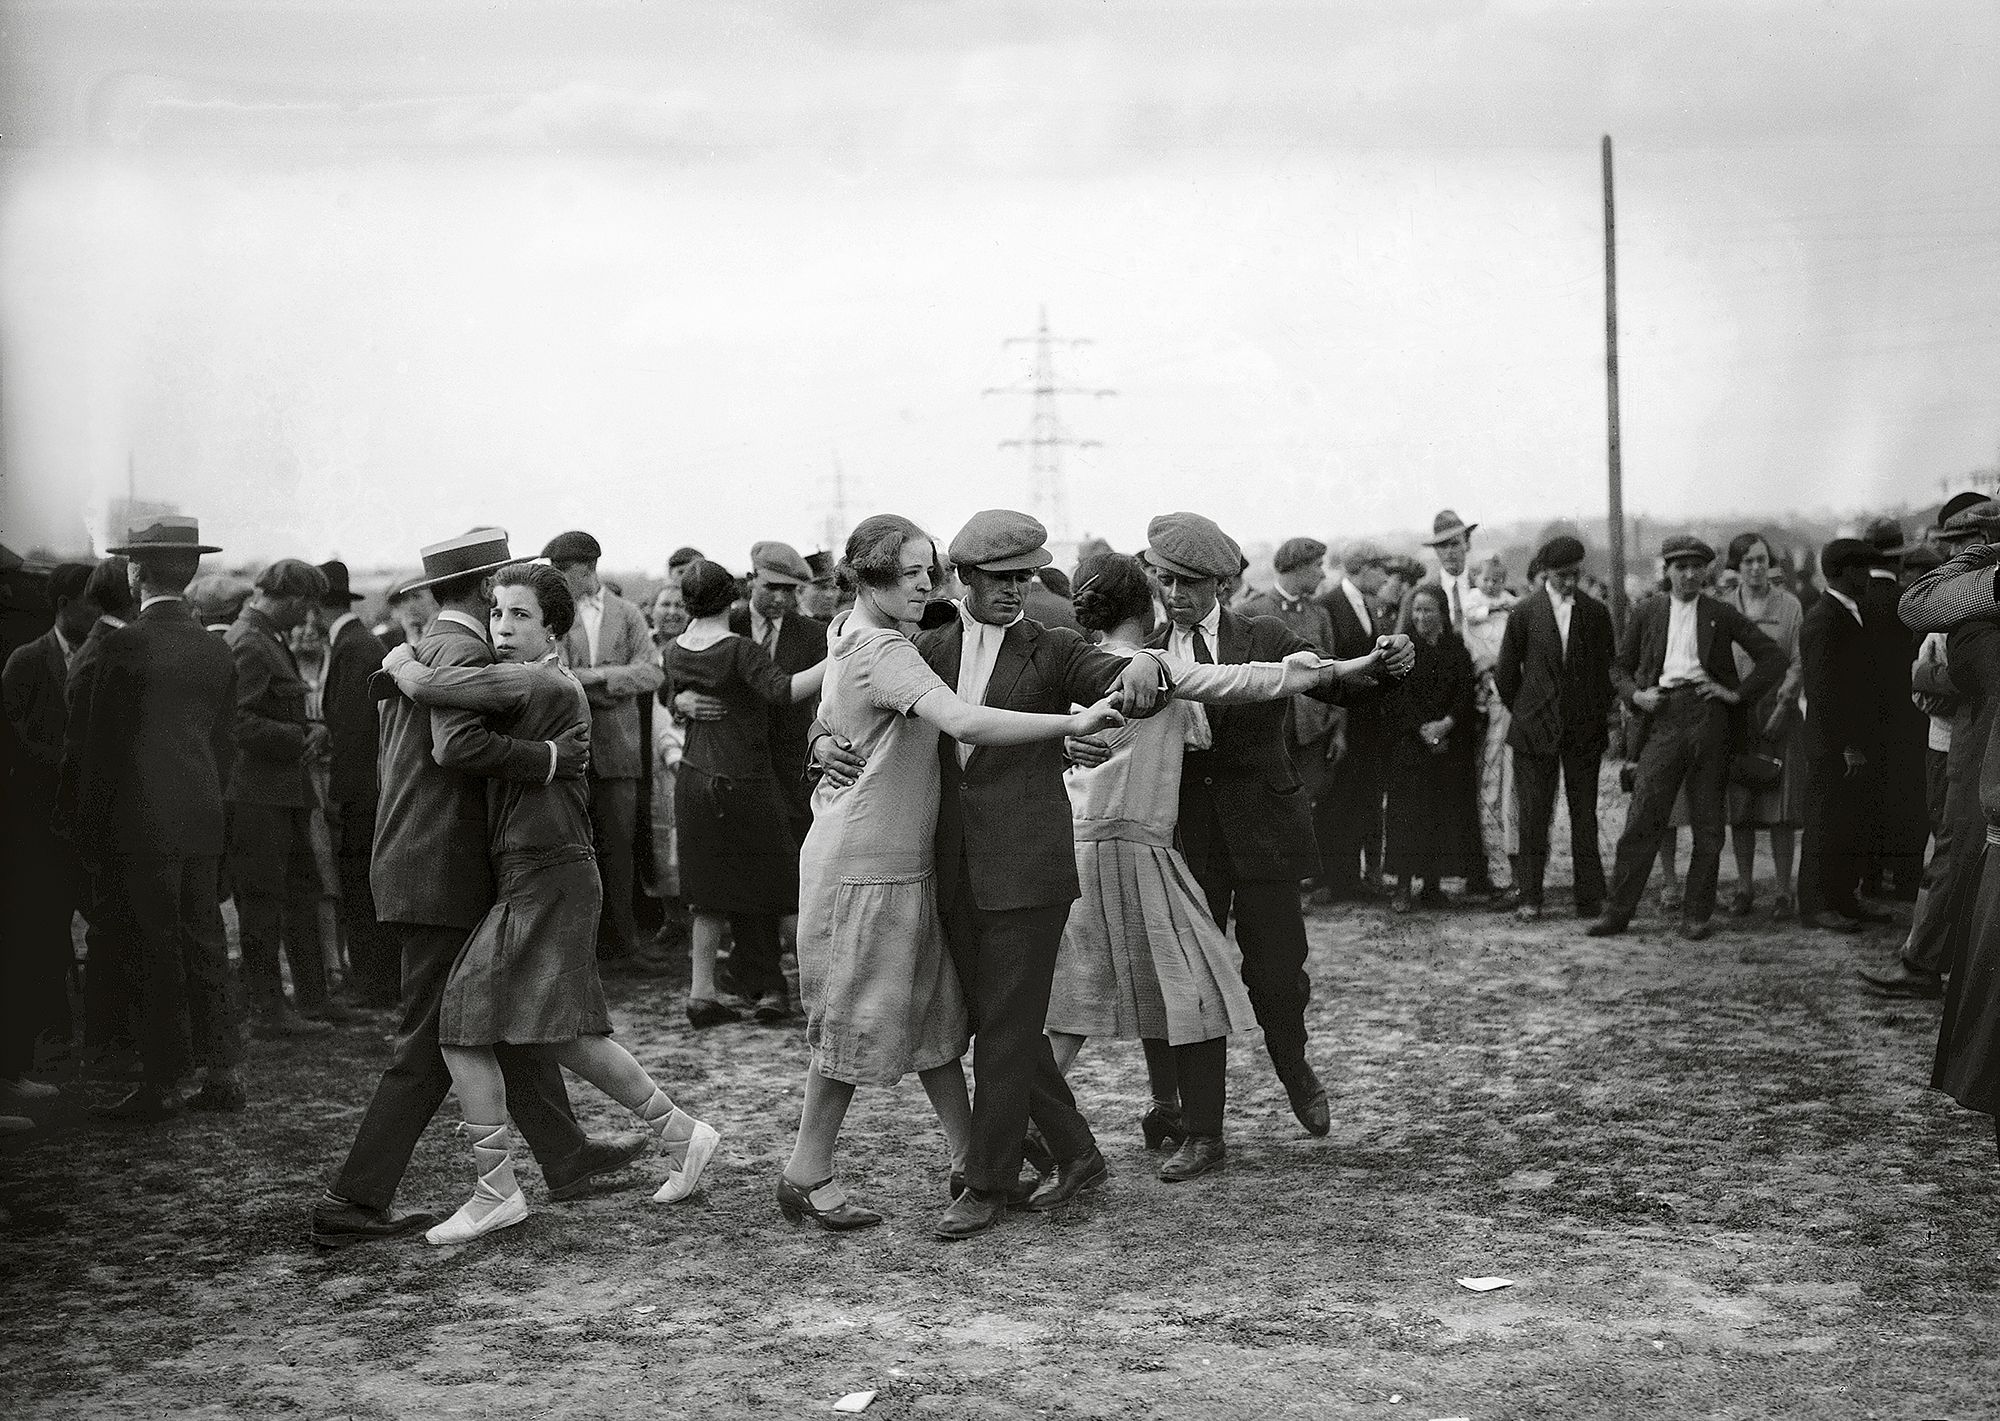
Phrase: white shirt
(1683, 664)
(68, 651)
(1456, 591)
(1563, 606)
(765, 631)
(1180, 642)
(977, 652)
(590, 616)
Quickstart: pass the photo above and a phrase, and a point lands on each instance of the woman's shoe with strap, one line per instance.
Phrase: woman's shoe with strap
(826, 1203)
(497, 1201)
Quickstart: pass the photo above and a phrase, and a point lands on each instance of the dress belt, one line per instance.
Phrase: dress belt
(1131, 831)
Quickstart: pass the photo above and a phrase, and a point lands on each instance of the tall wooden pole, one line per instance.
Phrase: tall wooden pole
(1615, 522)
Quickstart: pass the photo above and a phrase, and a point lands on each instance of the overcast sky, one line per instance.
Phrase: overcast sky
(343, 279)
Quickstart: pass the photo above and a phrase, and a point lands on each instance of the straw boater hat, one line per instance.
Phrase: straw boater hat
(1446, 526)
(481, 550)
(166, 534)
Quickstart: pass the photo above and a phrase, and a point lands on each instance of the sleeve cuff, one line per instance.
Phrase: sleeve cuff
(550, 777)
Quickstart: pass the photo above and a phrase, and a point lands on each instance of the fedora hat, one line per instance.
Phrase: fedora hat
(481, 550)
(169, 533)
(338, 588)
(1446, 526)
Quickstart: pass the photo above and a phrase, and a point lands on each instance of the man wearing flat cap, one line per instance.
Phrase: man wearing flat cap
(795, 642)
(1316, 733)
(1245, 822)
(1006, 859)
(1554, 676)
(610, 652)
(1677, 668)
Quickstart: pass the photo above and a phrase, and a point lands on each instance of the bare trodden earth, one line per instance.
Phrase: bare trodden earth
(1710, 1169)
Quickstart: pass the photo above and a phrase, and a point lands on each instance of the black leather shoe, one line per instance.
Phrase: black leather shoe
(1610, 925)
(147, 1105)
(796, 1204)
(1069, 1180)
(1902, 980)
(1197, 1155)
(1308, 1099)
(1589, 909)
(1026, 1185)
(1036, 1154)
(575, 1175)
(1830, 922)
(707, 1011)
(339, 1223)
(771, 1009)
(973, 1212)
(1161, 1125)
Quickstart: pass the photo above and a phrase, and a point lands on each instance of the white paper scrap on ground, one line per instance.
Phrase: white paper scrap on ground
(855, 1401)
(1485, 1285)
(646, 1308)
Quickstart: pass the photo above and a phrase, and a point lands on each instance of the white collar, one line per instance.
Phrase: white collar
(1883, 573)
(161, 597)
(1209, 626)
(338, 622)
(63, 643)
(463, 619)
(1844, 600)
(972, 622)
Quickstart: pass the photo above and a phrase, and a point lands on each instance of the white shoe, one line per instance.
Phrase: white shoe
(15, 1124)
(25, 1089)
(685, 1178)
(466, 1225)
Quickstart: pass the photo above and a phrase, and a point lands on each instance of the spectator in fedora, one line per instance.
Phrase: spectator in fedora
(353, 655)
(272, 872)
(820, 598)
(610, 650)
(1554, 676)
(1676, 667)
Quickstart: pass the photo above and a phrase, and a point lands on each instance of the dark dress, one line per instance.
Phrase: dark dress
(528, 973)
(739, 852)
(1433, 815)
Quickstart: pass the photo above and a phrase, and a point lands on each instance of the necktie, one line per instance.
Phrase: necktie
(1457, 612)
(1201, 653)
(770, 641)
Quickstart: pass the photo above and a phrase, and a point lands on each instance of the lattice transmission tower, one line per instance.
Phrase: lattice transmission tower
(1047, 437)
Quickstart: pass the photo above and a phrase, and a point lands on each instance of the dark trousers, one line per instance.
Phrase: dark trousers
(614, 820)
(373, 955)
(1940, 905)
(414, 1085)
(754, 953)
(179, 968)
(1006, 962)
(110, 1011)
(276, 883)
(1196, 1075)
(45, 891)
(1831, 851)
(1347, 818)
(1271, 935)
(1687, 743)
(1535, 788)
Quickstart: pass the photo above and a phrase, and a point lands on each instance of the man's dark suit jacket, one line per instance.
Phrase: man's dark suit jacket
(1351, 638)
(1842, 704)
(349, 712)
(801, 646)
(1560, 699)
(1265, 817)
(431, 861)
(34, 683)
(270, 716)
(1719, 629)
(1006, 809)
(158, 738)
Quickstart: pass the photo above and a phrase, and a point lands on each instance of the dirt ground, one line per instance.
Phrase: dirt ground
(1711, 1170)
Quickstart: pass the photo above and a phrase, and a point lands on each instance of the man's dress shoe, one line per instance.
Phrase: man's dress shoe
(1696, 929)
(1902, 980)
(575, 1175)
(1198, 1154)
(1070, 1179)
(1308, 1098)
(1831, 922)
(1610, 925)
(145, 1106)
(973, 1212)
(340, 1223)
(1026, 1185)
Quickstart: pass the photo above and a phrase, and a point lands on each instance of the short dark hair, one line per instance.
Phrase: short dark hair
(459, 589)
(67, 581)
(1112, 588)
(169, 572)
(1743, 543)
(110, 587)
(1055, 579)
(709, 588)
(874, 555)
(552, 594)
(292, 577)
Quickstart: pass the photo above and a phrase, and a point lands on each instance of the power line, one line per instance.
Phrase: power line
(1048, 496)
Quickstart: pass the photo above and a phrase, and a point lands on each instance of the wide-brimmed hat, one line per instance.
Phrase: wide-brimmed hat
(481, 550)
(1446, 526)
(1843, 553)
(1885, 535)
(168, 533)
(337, 588)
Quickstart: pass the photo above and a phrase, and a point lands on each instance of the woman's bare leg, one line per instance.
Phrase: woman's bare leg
(705, 943)
(819, 1129)
(945, 1085)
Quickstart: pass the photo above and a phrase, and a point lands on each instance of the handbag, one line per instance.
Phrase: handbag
(1756, 769)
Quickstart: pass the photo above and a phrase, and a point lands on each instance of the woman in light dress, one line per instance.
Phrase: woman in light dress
(1141, 957)
(528, 974)
(1486, 614)
(881, 997)
(1774, 726)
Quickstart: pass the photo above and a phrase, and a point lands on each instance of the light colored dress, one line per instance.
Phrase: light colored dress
(1783, 804)
(1141, 958)
(881, 996)
(1499, 812)
(663, 878)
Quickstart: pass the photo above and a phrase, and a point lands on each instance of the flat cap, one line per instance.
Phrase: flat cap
(1297, 552)
(1685, 547)
(1561, 551)
(1189, 545)
(1958, 503)
(1970, 520)
(683, 556)
(572, 546)
(1843, 553)
(1885, 535)
(779, 562)
(1000, 540)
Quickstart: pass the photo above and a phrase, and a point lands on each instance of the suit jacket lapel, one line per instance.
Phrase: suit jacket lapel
(1017, 644)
